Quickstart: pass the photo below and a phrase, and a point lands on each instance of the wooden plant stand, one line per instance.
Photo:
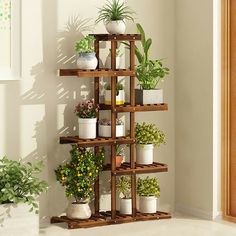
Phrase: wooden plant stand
(132, 169)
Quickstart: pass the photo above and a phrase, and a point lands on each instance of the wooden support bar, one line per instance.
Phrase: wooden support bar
(117, 37)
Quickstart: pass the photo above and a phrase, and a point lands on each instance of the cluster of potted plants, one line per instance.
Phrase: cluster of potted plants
(19, 190)
(147, 136)
(78, 177)
(148, 190)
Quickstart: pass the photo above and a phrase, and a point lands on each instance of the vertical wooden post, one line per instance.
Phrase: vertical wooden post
(132, 120)
(96, 98)
(113, 129)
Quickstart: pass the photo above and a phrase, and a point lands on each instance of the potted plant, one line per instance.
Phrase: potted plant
(120, 94)
(146, 137)
(149, 73)
(87, 113)
(148, 190)
(123, 186)
(118, 59)
(78, 177)
(104, 128)
(19, 189)
(113, 14)
(120, 153)
(85, 48)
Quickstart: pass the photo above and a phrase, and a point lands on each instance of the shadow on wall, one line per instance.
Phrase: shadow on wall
(59, 97)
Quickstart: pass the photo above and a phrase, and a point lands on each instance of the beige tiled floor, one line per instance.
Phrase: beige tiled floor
(177, 226)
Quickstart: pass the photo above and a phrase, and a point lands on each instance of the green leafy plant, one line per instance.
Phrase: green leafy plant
(148, 187)
(149, 72)
(120, 150)
(18, 183)
(123, 186)
(85, 45)
(113, 11)
(149, 134)
(119, 86)
(79, 174)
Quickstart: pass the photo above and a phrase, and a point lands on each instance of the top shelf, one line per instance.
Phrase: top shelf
(117, 37)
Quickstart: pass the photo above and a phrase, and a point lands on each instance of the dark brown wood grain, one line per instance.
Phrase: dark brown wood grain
(117, 37)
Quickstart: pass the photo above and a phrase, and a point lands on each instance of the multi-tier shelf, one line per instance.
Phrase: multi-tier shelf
(128, 168)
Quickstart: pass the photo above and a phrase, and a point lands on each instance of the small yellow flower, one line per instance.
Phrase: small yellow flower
(90, 189)
(90, 174)
(88, 168)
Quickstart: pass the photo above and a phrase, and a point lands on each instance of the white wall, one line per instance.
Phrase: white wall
(39, 108)
(194, 107)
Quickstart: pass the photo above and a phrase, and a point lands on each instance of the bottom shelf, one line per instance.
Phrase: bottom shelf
(104, 218)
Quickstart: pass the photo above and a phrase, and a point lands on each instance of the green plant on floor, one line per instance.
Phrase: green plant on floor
(85, 45)
(113, 11)
(148, 187)
(119, 86)
(123, 186)
(149, 72)
(19, 183)
(149, 134)
(79, 174)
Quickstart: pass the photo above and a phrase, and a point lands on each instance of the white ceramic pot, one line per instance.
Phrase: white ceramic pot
(108, 62)
(116, 27)
(87, 61)
(126, 206)
(105, 131)
(148, 204)
(120, 98)
(87, 128)
(17, 220)
(144, 154)
(78, 211)
(152, 96)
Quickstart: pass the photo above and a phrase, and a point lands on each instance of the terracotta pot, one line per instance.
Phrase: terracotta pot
(119, 159)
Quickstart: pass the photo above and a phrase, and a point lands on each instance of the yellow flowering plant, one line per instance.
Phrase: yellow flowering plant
(79, 174)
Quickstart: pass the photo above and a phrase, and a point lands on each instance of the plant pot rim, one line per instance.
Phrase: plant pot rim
(148, 197)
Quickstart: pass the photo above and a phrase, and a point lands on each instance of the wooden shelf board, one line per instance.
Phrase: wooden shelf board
(104, 218)
(95, 142)
(95, 73)
(117, 37)
(137, 108)
(125, 168)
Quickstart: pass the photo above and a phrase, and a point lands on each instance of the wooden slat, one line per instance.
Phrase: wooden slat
(117, 37)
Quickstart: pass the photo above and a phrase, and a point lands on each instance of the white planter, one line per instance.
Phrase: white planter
(144, 154)
(126, 206)
(19, 221)
(120, 98)
(87, 61)
(148, 204)
(108, 62)
(105, 130)
(153, 96)
(78, 211)
(87, 128)
(116, 27)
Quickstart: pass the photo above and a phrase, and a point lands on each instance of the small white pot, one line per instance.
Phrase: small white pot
(105, 130)
(17, 220)
(116, 27)
(144, 154)
(120, 98)
(152, 96)
(87, 128)
(87, 61)
(126, 206)
(78, 211)
(108, 62)
(148, 204)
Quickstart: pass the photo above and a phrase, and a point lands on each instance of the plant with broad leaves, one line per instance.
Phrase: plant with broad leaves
(79, 174)
(148, 187)
(123, 186)
(18, 183)
(149, 134)
(113, 11)
(85, 45)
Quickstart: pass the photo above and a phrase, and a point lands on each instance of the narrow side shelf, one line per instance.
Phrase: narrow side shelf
(117, 37)
(104, 218)
(125, 168)
(95, 73)
(95, 142)
(137, 108)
